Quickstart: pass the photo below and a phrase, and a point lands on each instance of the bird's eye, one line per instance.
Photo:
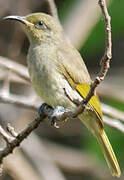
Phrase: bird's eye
(41, 25)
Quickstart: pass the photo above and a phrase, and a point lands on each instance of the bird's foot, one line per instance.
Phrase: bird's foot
(56, 116)
(45, 110)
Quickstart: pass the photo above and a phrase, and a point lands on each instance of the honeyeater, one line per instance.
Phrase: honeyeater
(55, 66)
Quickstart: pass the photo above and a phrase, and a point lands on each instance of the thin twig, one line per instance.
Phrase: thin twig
(83, 25)
(5, 136)
(52, 9)
(15, 67)
(105, 60)
(114, 123)
(13, 142)
(11, 130)
(17, 100)
(24, 102)
(112, 112)
(13, 77)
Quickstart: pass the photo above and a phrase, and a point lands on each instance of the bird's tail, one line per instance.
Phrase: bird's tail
(109, 154)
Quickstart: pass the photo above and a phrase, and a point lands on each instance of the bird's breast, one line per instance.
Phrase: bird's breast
(48, 82)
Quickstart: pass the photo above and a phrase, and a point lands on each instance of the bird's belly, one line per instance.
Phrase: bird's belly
(51, 86)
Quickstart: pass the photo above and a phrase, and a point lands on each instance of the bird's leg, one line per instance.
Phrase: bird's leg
(56, 115)
(45, 110)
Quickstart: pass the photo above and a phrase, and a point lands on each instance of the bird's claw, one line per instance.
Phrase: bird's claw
(57, 113)
(53, 123)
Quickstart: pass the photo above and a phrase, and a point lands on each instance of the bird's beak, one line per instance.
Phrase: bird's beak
(21, 19)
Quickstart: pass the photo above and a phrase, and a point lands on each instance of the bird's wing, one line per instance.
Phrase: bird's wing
(71, 60)
(83, 90)
(71, 65)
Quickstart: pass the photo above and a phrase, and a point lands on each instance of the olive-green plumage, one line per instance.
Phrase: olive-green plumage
(54, 65)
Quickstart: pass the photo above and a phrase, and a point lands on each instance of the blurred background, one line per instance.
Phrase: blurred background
(71, 152)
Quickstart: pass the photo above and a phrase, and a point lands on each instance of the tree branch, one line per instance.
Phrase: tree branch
(17, 100)
(105, 60)
(15, 138)
(112, 112)
(114, 123)
(104, 67)
(15, 67)
(84, 25)
(52, 9)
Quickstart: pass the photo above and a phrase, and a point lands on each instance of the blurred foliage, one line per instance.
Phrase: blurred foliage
(64, 7)
(94, 45)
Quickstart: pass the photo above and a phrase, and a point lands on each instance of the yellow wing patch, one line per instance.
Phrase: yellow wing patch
(83, 90)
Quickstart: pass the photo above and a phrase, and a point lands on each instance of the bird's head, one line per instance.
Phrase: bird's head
(39, 26)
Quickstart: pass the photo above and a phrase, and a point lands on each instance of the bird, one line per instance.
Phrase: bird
(55, 66)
